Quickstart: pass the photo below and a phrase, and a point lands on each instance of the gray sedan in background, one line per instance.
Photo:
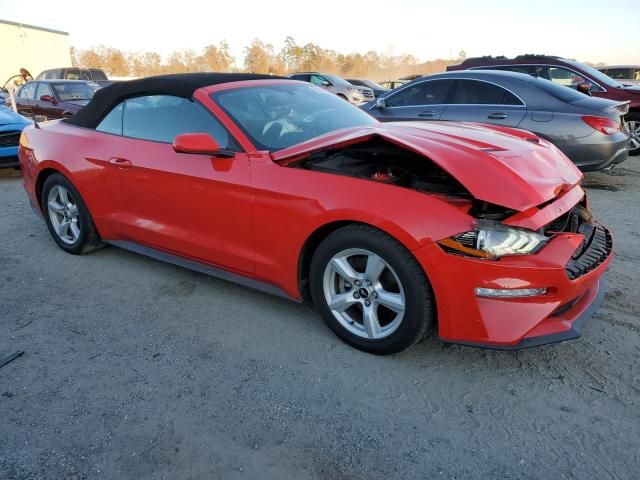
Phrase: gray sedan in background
(589, 130)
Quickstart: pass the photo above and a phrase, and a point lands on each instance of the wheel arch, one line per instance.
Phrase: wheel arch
(315, 239)
(41, 178)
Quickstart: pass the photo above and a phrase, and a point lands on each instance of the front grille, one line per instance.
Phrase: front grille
(367, 93)
(593, 251)
(9, 139)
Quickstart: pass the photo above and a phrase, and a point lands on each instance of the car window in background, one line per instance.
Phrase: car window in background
(474, 92)
(337, 80)
(98, 75)
(73, 91)
(85, 75)
(569, 78)
(432, 92)
(162, 117)
(538, 70)
(318, 80)
(44, 89)
(596, 74)
(301, 77)
(620, 73)
(72, 74)
(278, 116)
(28, 91)
(354, 81)
(112, 123)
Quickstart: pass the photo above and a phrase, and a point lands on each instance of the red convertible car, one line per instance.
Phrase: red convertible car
(388, 229)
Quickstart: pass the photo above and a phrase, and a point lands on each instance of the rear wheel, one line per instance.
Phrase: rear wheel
(370, 290)
(633, 124)
(67, 216)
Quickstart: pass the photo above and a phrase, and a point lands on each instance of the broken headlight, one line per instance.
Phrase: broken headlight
(495, 241)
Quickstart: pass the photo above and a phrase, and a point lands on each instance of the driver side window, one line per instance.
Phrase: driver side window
(160, 118)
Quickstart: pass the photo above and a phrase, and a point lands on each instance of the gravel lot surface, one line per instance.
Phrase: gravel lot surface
(134, 369)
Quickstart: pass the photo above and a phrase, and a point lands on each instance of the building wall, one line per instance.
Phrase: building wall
(33, 48)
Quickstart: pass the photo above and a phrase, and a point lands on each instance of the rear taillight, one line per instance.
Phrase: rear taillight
(604, 125)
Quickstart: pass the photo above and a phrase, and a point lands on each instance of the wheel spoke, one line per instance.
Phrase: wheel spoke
(371, 322)
(634, 143)
(392, 301)
(344, 268)
(342, 301)
(64, 228)
(62, 194)
(56, 207)
(75, 230)
(73, 211)
(375, 267)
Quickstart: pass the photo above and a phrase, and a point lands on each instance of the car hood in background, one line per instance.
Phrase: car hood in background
(504, 166)
(8, 116)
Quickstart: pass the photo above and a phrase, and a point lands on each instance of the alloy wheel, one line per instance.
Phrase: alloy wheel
(364, 294)
(64, 214)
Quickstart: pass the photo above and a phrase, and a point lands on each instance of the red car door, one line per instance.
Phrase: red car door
(194, 205)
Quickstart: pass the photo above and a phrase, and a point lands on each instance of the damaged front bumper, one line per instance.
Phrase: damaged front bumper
(569, 270)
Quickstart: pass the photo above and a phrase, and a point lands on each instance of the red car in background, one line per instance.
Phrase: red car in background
(388, 229)
(571, 74)
(53, 99)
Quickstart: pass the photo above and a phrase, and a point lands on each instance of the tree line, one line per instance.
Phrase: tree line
(259, 57)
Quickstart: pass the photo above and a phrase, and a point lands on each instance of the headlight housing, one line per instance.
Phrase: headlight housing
(494, 241)
(353, 89)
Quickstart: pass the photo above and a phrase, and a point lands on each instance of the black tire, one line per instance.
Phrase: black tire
(418, 313)
(633, 117)
(88, 240)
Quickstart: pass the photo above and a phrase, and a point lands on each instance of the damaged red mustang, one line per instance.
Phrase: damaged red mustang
(391, 230)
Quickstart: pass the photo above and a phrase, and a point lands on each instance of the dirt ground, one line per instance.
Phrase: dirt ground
(134, 369)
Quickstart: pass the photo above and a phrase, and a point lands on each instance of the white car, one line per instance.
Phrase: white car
(626, 74)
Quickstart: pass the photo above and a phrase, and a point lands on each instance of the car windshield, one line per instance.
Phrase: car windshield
(336, 80)
(279, 116)
(372, 84)
(73, 91)
(596, 74)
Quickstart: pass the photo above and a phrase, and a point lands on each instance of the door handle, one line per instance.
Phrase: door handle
(497, 116)
(121, 163)
(427, 113)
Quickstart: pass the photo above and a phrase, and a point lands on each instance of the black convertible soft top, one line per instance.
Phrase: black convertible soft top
(179, 85)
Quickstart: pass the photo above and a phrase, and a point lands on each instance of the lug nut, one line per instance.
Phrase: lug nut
(356, 295)
(367, 303)
(347, 285)
(368, 283)
(357, 282)
(375, 295)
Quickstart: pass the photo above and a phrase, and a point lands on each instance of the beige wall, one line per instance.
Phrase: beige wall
(33, 49)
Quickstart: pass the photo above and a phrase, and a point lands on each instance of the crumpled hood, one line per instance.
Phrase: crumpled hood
(504, 166)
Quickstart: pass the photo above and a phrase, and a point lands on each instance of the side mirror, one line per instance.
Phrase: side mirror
(199, 143)
(46, 98)
(584, 88)
(325, 83)
(380, 104)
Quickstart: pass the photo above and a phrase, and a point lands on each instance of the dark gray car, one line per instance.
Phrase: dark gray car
(589, 130)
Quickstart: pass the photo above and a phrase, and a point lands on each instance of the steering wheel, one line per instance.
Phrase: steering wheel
(318, 123)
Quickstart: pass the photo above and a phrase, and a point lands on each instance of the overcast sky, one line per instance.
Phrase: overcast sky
(588, 30)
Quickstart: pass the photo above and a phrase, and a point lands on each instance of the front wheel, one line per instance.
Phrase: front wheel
(633, 124)
(67, 216)
(370, 290)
